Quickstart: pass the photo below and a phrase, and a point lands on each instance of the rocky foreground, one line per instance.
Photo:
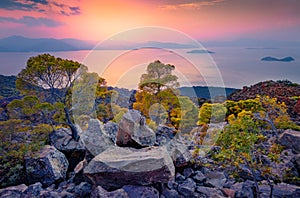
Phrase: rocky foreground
(131, 160)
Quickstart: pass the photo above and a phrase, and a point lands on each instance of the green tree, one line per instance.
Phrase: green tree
(56, 75)
(157, 89)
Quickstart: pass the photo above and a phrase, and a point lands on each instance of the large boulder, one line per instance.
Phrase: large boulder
(95, 140)
(119, 166)
(47, 166)
(134, 132)
(290, 139)
(62, 140)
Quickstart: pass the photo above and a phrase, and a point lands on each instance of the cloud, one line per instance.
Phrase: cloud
(187, 4)
(32, 21)
(44, 6)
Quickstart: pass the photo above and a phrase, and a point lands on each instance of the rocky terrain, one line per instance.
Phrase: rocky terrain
(131, 160)
(285, 91)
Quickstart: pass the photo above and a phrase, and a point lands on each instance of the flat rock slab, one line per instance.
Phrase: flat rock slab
(119, 166)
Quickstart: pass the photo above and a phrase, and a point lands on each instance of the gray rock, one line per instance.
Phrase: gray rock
(245, 189)
(83, 189)
(170, 193)
(141, 191)
(62, 140)
(297, 162)
(135, 167)
(99, 192)
(187, 172)
(33, 190)
(179, 152)
(111, 130)
(95, 139)
(13, 191)
(164, 134)
(179, 178)
(50, 194)
(209, 192)
(134, 132)
(215, 179)
(47, 166)
(280, 190)
(199, 177)
(287, 165)
(187, 188)
(290, 139)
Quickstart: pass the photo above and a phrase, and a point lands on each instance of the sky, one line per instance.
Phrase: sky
(204, 20)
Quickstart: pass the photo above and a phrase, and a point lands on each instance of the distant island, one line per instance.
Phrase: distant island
(200, 52)
(286, 59)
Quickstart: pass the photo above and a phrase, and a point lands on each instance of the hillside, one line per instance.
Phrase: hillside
(23, 44)
(205, 92)
(284, 91)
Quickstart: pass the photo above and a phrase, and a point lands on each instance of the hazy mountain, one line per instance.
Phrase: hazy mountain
(205, 92)
(252, 43)
(23, 44)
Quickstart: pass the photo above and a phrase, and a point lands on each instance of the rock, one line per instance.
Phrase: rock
(164, 134)
(99, 192)
(290, 139)
(33, 190)
(135, 167)
(111, 130)
(187, 188)
(50, 194)
(245, 189)
(209, 192)
(187, 172)
(297, 162)
(47, 166)
(215, 179)
(141, 191)
(179, 178)
(95, 139)
(83, 189)
(280, 190)
(199, 177)
(62, 140)
(134, 132)
(246, 173)
(170, 193)
(78, 172)
(287, 166)
(179, 152)
(228, 192)
(13, 191)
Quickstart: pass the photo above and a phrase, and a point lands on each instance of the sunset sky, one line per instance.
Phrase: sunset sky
(201, 19)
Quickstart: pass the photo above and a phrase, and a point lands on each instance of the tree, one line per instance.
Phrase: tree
(158, 93)
(158, 78)
(55, 75)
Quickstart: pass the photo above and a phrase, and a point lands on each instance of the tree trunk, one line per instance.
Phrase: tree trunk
(72, 126)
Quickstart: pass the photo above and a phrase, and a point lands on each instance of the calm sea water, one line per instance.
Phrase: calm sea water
(231, 66)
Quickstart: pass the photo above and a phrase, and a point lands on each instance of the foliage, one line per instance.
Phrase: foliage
(157, 97)
(211, 112)
(18, 139)
(158, 78)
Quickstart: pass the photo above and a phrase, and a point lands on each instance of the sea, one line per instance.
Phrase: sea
(233, 67)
